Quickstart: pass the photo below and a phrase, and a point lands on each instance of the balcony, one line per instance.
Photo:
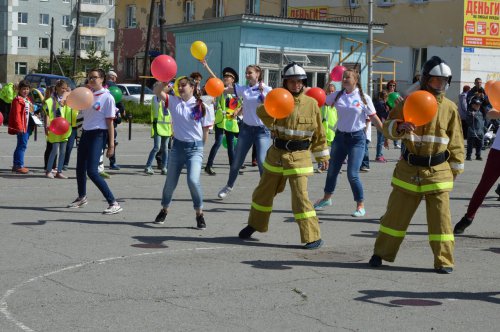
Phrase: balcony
(84, 55)
(93, 31)
(93, 6)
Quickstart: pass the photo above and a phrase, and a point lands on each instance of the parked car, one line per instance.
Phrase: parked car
(45, 80)
(132, 92)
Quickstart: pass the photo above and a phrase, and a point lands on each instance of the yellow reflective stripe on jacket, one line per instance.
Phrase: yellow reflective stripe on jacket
(292, 132)
(391, 231)
(294, 171)
(262, 208)
(426, 138)
(305, 215)
(271, 168)
(424, 188)
(441, 237)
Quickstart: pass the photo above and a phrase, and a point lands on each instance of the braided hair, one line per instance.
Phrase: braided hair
(358, 85)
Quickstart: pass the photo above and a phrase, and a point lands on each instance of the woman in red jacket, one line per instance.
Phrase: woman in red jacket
(18, 124)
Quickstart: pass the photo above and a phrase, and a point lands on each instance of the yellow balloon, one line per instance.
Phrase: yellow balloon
(199, 50)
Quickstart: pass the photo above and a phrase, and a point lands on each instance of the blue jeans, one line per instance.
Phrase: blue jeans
(70, 145)
(61, 146)
(351, 145)
(366, 158)
(191, 155)
(87, 160)
(219, 133)
(380, 144)
(160, 144)
(22, 144)
(249, 135)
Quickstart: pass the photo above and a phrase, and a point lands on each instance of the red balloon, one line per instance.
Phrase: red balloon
(337, 72)
(279, 103)
(318, 94)
(1, 119)
(59, 126)
(420, 108)
(214, 87)
(164, 68)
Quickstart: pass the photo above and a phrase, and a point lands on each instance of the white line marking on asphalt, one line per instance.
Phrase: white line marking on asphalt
(4, 308)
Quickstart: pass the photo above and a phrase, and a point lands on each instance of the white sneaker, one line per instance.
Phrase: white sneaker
(164, 171)
(224, 192)
(149, 170)
(112, 209)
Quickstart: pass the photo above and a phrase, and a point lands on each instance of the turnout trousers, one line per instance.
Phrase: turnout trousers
(270, 185)
(400, 209)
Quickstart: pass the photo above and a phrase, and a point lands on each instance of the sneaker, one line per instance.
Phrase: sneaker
(209, 171)
(77, 203)
(381, 159)
(243, 167)
(444, 270)
(314, 245)
(246, 232)
(200, 222)
(113, 208)
(241, 172)
(149, 170)
(160, 218)
(49, 175)
(60, 175)
(322, 203)
(224, 192)
(359, 213)
(375, 261)
(497, 191)
(479, 158)
(397, 146)
(468, 158)
(462, 225)
(164, 171)
(364, 169)
(65, 167)
(254, 162)
(20, 170)
(104, 175)
(114, 167)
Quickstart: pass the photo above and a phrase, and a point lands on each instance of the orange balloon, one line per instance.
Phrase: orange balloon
(494, 94)
(81, 98)
(279, 103)
(214, 87)
(487, 86)
(420, 108)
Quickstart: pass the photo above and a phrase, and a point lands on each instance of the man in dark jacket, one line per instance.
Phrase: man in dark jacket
(475, 130)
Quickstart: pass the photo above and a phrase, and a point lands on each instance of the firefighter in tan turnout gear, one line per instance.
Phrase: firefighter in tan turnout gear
(433, 157)
(289, 159)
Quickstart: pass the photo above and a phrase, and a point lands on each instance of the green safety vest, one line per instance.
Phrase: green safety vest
(163, 122)
(223, 118)
(50, 109)
(7, 93)
(329, 119)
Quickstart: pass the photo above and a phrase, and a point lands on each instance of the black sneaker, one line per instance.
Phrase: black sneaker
(200, 222)
(498, 190)
(479, 158)
(468, 158)
(246, 232)
(160, 218)
(375, 261)
(313, 245)
(209, 171)
(444, 270)
(462, 225)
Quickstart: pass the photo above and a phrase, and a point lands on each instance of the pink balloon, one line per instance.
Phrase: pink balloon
(337, 72)
(164, 68)
(81, 98)
(1, 119)
(59, 126)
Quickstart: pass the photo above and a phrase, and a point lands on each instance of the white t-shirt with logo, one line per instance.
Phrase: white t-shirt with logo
(103, 108)
(186, 128)
(250, 96)
(351, 110)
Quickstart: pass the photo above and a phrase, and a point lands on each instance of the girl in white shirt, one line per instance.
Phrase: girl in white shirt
(353, 108)
(189, 126)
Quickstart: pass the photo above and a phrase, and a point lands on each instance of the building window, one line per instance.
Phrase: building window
(130, 68)
(65, 44)
(44, 19)
(22, 42)
(21, 68)
(88, 21)
(93, 2)
(353, 3)
(43, 43)
(253, 6)
(284, 8)
(188, 11)
(65, 1)
(66, 21)
(111, 2)
(218, 8)
(111, 46)
(22, 18)
(111, 23)
(89, 42)
(131, 22)
(385, 3)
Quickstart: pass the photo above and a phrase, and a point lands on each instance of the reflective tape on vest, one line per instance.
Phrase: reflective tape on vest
(427, 138)
(286, 172)
(391, 125)
(304, 215)
(262, 208)
(271, 168)
(291, 132)
(424, 188)
(441, 237)
(391, 232)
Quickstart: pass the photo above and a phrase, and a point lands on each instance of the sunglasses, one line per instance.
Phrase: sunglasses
(93, 77)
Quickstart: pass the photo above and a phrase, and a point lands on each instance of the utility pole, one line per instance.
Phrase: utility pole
(370, 48)
(51, 61)
(163, 36)
(77, 28)
(146, 51)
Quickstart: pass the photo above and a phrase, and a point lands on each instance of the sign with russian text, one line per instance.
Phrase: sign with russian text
(308, 13)
(481, 23)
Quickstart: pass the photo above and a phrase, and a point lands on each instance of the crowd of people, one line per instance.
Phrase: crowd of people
(338, 132)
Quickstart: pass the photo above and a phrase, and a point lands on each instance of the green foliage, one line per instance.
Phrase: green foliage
(140, 113)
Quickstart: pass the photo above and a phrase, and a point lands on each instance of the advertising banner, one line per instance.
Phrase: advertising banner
(481, 23)
(308, 13)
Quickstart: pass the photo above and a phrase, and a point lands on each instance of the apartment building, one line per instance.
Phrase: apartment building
(25, 28)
